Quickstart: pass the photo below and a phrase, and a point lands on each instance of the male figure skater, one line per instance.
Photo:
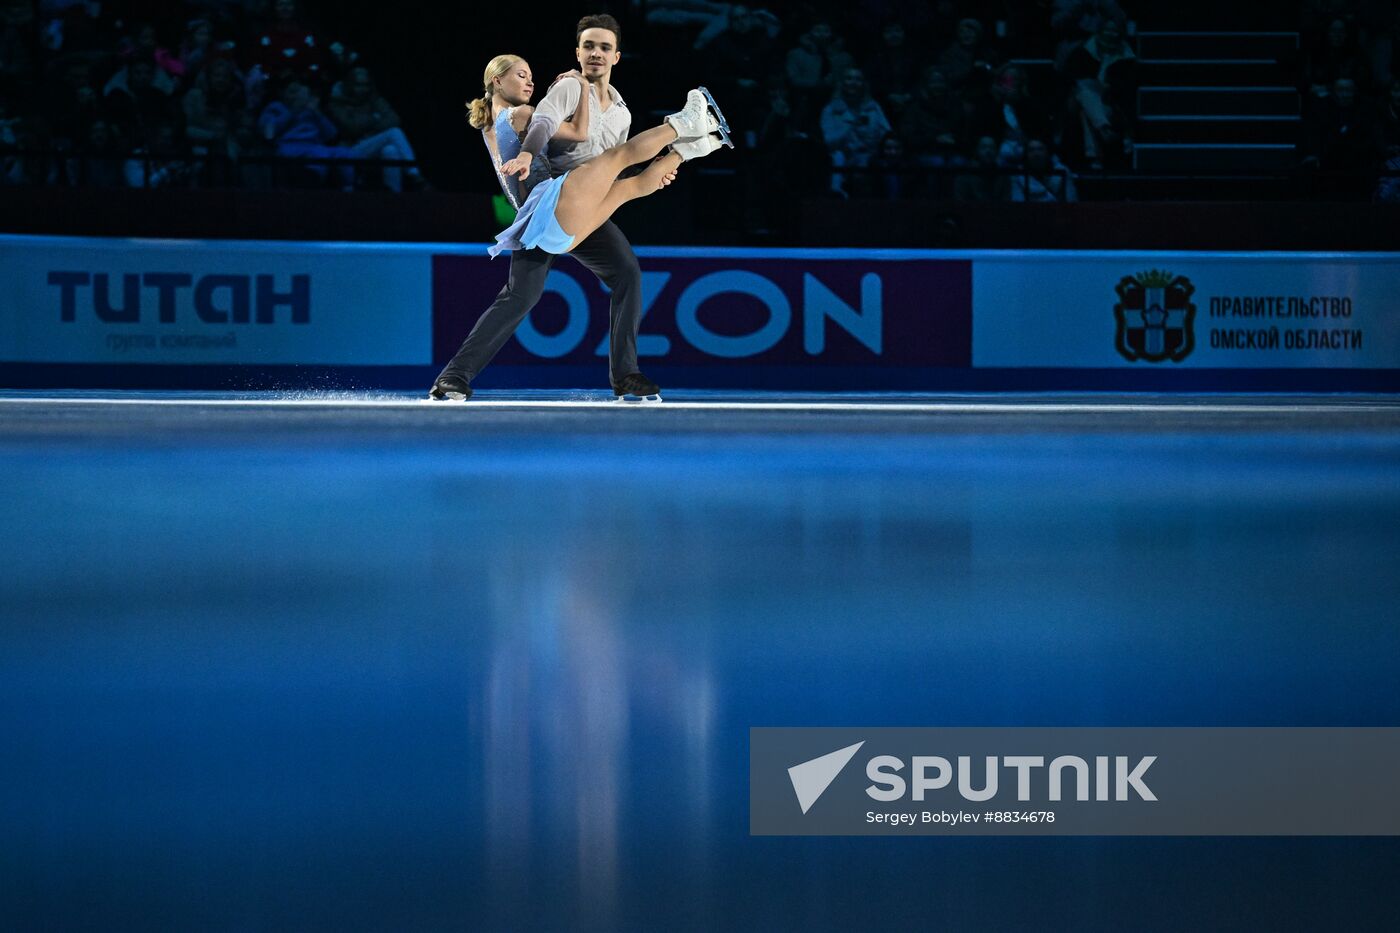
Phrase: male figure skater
(605, 252)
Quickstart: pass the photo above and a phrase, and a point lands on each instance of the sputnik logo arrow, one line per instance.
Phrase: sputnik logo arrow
(811, 778)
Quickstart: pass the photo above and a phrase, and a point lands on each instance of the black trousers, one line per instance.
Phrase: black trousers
(607, 254)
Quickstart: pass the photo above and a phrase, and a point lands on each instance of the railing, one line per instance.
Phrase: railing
(1303, 181)
(62, 168)
(75, 169)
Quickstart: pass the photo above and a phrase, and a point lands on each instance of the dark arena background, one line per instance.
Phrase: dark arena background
(1024, 364)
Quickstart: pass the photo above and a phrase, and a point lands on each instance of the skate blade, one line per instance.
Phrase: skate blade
(719, 114)
(448, 397)
(637, 399)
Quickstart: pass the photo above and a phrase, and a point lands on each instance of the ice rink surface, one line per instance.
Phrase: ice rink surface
(354, 661)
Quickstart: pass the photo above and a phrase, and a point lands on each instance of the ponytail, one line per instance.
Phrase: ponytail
(479, 112)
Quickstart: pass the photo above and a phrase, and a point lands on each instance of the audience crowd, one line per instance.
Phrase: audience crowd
(1351, 96)
(983, 100)
(177, 93)
(927, 100)
(999, 99)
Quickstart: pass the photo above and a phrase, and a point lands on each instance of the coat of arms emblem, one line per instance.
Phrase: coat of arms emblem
(1155, 314)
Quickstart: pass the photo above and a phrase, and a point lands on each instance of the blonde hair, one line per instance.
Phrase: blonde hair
(479, 110)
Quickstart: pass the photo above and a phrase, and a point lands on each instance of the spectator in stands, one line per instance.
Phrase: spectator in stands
(1316, 15)
(217, 118)
(195, 46)
(814, 66)
(711, 18)
(137, 105)
(969, 59)
(989, 182)
(172, 63)
(1375, 23)
(737, 56)
(852, 126)
(754, 28)
(68, 25)
(145, 43)
(71, 102)
(934, 126)
(779, 123)
(141, 47)
(97, 161)
(1341, 140)
(160, 162)
(1341, 136)
(1387, 124)
(1387, 128)
(357, 108)
(892, 176)
(288, 49)
(921, 23)
(1043, 178)
(894, 70)
(16, 39)
(1337, 56)
(295, 124)
(12, 169)
(1073, 21)
(1388, 187)
(1011, 115)
(26, 171)
(1103, 94)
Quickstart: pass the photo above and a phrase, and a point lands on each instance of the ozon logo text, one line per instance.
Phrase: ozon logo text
(819, 304)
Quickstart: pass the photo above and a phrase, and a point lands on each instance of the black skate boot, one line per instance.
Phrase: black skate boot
(636, 388)
(453, 387)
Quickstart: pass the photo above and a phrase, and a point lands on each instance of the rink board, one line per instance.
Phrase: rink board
(90, 312)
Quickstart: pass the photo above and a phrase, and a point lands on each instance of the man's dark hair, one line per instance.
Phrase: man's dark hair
(598, 21)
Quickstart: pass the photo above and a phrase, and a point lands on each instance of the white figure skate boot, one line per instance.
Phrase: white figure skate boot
(700, 117)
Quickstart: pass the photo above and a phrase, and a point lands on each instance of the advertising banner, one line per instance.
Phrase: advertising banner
(722, 307)
(78, 300)
(846, 319)
(1186, 310)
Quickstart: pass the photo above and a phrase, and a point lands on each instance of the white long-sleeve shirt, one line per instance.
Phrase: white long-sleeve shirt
(606, 128)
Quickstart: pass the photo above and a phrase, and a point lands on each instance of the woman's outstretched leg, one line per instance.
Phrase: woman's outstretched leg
(650, 180)
(589, 185)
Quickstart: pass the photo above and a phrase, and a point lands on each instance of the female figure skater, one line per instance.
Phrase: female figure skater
(559, 212)
(505, 114)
